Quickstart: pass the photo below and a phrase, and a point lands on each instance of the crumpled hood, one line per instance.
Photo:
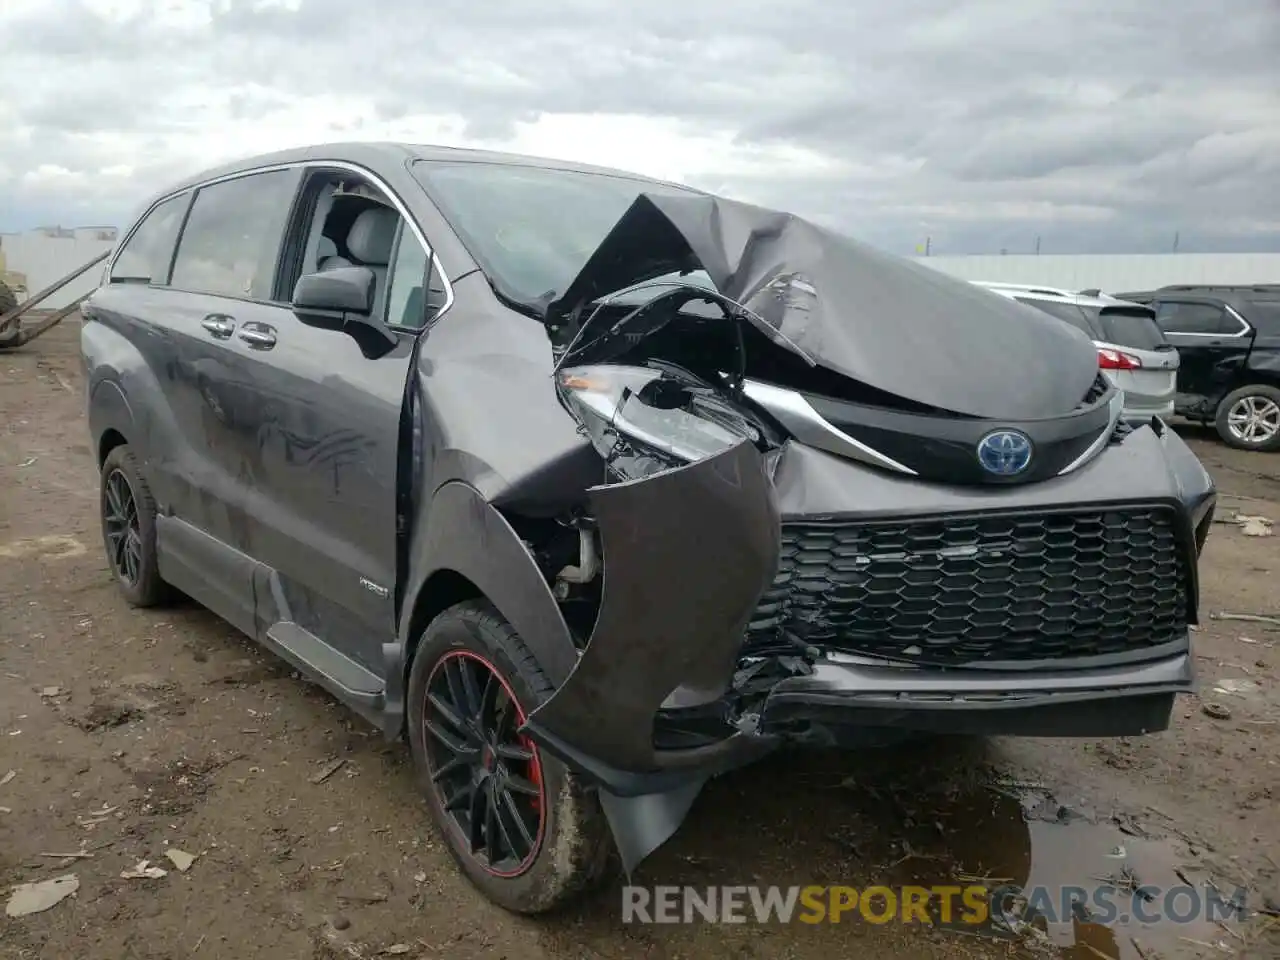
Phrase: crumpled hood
(883, 320)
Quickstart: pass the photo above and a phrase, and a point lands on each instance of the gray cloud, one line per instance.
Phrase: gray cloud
(1096, 125)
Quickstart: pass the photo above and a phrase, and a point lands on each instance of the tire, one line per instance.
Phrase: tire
(138, 578)
(1259, 399)
(572, 845)
(8, 300)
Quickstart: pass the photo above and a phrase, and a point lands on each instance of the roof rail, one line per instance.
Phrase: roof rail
(1260, 287)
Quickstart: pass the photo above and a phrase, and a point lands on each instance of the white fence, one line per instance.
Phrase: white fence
(1116, 273)
(45, 258)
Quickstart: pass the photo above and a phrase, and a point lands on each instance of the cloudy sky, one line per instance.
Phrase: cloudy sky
(1097, 125)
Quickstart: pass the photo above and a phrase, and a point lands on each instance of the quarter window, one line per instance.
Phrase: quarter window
(145, 256)
(1265, 315)
(232, 238)
(1183, 317)
(405, 303)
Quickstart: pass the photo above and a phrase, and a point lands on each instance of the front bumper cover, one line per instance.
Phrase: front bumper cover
(843, 692)
(689, 552)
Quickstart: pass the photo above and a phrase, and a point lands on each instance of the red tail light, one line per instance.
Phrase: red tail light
(1115, 360)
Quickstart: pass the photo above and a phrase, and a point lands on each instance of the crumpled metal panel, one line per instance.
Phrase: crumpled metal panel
(882, 320)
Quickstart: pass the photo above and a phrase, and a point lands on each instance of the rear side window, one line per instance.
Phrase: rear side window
(1067, 312)
(1175, 316)
(1131, 327)
(145, 256)
(231, 242)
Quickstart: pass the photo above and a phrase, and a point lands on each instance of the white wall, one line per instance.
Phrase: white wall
(45, 258)
(1114, 273)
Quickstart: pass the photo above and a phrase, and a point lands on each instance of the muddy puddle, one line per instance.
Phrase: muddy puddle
(1092, 883)
(933, 815)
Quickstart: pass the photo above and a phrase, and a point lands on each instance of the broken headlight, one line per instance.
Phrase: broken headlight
(644, 420)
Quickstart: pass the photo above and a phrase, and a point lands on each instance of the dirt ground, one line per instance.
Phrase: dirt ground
(131, 733)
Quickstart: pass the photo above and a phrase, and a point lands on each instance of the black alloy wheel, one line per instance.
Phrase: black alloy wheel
(487, 776)
(128, 514)
(121, 528)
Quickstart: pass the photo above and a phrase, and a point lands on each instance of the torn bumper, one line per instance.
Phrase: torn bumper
(706, 567)
(688, 552)
(851, 693)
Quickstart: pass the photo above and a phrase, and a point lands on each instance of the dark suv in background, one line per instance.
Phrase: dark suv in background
(1229, 340)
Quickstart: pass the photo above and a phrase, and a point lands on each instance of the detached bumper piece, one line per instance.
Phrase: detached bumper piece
(687, 554)
(848, 695)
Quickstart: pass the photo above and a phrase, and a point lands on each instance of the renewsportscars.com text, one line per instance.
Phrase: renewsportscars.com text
(944, 904)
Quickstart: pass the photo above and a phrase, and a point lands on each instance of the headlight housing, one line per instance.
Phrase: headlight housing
(644, 420)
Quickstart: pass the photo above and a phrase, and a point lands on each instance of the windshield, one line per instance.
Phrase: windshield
(531, 229)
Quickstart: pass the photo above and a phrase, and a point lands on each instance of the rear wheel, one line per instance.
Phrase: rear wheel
(1249, 418)
(523, 828)
(129, 529)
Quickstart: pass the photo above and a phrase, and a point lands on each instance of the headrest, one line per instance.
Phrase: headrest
(372, 235)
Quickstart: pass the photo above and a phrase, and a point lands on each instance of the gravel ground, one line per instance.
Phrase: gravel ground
(130, 734)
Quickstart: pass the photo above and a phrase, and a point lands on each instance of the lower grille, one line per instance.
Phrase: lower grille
(961, 589)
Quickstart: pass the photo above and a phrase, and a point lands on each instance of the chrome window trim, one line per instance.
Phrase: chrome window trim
(1245, 327)
(346, 165)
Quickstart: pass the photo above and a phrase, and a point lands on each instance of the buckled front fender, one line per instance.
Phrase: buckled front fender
(687, 554)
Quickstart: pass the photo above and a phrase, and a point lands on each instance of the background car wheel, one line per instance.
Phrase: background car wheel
(523, 828)
(129, 529)
(1249, 418)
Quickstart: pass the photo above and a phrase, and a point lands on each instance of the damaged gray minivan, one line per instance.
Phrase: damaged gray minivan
(595, 487)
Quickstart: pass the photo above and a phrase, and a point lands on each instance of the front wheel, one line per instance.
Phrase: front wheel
(1249, 418)
(524, 829)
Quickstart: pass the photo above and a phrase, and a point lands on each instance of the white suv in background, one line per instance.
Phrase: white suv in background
(1132, 349)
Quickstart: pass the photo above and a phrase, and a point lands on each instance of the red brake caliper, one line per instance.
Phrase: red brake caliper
(535, 773)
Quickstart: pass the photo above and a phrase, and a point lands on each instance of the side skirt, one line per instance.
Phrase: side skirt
(347, 680)
(227, 582)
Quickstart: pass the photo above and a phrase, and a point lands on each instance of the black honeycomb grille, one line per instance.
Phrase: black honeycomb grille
(969, 588)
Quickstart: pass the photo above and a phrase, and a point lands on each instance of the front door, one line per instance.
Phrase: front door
(328, 435)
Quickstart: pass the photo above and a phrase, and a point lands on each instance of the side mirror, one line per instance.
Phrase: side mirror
(341, 291)
(341, 299)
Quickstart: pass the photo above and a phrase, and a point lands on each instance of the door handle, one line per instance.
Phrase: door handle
(219, 324)
(260, 336)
